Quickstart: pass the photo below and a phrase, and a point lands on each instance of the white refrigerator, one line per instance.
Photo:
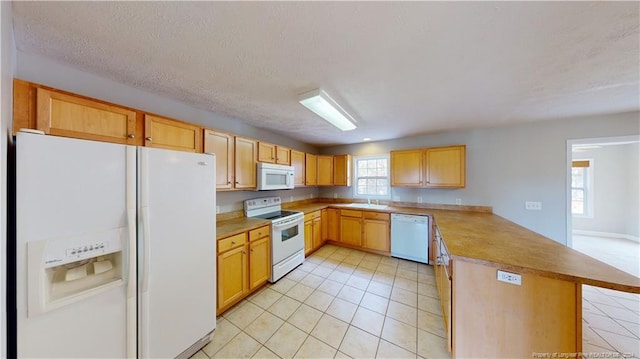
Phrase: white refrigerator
(115, 249)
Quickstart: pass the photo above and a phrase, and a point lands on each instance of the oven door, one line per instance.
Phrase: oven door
(287, 238)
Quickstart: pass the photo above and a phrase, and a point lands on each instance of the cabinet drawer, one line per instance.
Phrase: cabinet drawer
(312, 215)
(377, 215)
(232, 242)
(258, 233)
(350, 213)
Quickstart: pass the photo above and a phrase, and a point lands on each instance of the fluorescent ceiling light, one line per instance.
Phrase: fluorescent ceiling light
(324, 106)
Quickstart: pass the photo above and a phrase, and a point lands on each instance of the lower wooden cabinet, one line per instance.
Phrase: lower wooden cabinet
(259, 263)
(365, 229)
(244, 264)
(331, 224)
(443, 278)
(232, 270)
(351, 227)
(376, 231)
(313, 231)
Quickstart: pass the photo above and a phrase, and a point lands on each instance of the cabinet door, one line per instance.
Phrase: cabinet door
(222, 145)
(342, 170)
(171, 134)
(333, 224)
(259, 262)
(406, 168)
(65, 115)
(317, 232)
(308, 236)
(311, 162)
(351, 230)
(283, 155)
(324, 225)
(266, 152)
(325, 170)
(232, 276)
(245, 162)
(445, 166)
(376, 235)
(298, 163)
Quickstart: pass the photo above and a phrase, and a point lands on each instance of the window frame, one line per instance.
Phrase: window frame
(587, 189)
(386, 157)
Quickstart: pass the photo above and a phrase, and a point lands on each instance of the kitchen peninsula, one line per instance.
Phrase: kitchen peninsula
(539, 312)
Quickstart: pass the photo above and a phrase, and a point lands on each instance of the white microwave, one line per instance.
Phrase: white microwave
(272, 177)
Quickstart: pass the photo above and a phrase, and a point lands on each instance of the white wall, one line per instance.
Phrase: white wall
(615, 190)
(47, 72)
(507, 166)
(7, 55)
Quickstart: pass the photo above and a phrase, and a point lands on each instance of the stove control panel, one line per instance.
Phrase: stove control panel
(256, 203)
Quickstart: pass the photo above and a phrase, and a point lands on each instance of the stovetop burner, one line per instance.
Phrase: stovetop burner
(276, 215)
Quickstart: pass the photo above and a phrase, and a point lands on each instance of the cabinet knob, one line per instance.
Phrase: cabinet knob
(148, 138)
(251, 250)
(131, 135)
(237, 182)
(228, 182)
(244, 252)
(233, 242)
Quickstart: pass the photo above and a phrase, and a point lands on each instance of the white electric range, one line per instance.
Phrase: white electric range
(287, 233)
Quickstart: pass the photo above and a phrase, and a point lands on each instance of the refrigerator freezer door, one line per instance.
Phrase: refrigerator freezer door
(70, 191)
(176, 250)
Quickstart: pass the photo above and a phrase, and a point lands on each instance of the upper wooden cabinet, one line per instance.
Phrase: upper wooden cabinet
(71, 116)
(438, 167)
(271, 153)
(342, 170)
(266, 152)
(445, 166)
(171, 134)
(246, 151)
(325, 170)
(222, 145)
(283, 155)
(407, 168)
(311, 170)
(299, 168)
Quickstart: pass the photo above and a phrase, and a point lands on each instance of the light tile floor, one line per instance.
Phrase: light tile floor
(611, 319)
(346, 303)
(340, 303)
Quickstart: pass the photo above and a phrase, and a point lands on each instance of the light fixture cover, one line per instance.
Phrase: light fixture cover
(324, 106)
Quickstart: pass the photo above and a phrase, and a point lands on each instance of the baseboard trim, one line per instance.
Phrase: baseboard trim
(606, 234)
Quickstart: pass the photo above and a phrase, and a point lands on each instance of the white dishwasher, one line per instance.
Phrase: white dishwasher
(410, 237)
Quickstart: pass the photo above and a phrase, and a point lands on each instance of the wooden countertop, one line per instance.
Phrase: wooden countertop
(238, 225)
(489, 239)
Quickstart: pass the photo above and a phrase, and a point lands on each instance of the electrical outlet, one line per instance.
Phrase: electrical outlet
(511, 278)
(335, 195)
(458, 201)
(419, 199)
(533, 206)
(217, 209)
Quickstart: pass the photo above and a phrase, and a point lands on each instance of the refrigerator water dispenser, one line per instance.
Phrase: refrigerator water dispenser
(62, 271)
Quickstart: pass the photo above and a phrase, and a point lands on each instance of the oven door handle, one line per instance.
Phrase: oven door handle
(286, 223)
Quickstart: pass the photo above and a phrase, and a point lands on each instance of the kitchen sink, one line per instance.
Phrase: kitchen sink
(368, 205)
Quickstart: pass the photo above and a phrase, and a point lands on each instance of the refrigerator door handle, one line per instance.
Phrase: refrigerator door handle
(145, 249)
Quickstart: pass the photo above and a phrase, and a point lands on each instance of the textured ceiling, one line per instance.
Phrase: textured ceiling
(400, 68)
